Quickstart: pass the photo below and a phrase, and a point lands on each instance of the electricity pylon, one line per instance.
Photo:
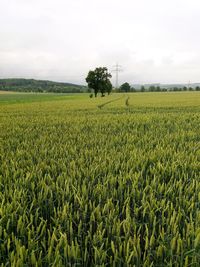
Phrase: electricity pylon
(117, 69)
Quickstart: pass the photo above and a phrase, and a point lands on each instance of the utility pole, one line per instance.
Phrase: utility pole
(117, 69)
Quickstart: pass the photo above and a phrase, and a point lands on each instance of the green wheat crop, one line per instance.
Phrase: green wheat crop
(116, 186)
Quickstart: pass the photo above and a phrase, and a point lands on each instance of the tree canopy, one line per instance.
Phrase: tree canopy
(99, 80)
(125, 87)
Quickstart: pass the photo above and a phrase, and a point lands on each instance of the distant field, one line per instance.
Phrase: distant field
(94, 182)
(6, 92)
(167, 99)
(14, 98)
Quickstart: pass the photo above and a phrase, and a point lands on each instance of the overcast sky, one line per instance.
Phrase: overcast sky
(154, 41)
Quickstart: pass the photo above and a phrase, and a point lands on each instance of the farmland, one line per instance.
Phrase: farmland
(87, 186)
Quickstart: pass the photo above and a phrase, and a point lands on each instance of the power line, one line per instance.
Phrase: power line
(117, 69)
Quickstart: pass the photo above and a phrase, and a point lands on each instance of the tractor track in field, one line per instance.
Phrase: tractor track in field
(108, 102)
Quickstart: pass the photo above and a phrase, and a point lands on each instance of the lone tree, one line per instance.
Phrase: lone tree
(125, 87)
(99, 81)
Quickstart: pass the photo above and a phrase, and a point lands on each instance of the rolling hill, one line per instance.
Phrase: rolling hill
(32, 85)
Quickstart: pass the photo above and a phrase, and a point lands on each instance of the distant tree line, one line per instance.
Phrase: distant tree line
(125, 87)
(31, 85)
(98, 81)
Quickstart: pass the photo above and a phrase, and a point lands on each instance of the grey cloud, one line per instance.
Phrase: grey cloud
(155, 41)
